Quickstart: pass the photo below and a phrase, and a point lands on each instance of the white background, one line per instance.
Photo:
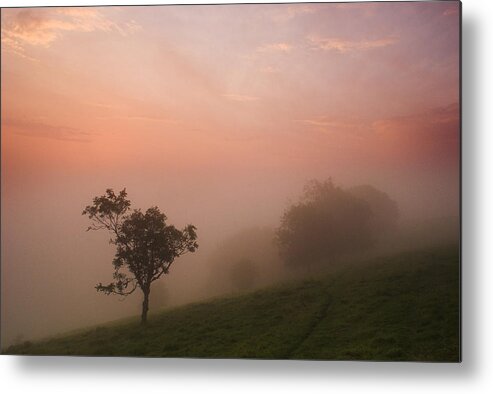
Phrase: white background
(474, 374)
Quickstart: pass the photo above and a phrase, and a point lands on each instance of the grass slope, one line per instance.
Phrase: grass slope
(400, 308)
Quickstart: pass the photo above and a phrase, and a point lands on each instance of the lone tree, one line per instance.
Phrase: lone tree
(145, 245)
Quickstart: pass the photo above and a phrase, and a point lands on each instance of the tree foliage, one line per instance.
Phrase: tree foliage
(327, 222)
(146, 246)
(385, 212)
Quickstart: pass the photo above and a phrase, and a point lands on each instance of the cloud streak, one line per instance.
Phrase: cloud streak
(240, 97)
(346, 46)
(453, 10)
(434, 124)
(283, 47)
(270, 70)
(440, 122)
(28, 28)
(331, 125)
(290, 12)
(35, 129)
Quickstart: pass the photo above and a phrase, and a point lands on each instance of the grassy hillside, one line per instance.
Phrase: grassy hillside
(401, 308)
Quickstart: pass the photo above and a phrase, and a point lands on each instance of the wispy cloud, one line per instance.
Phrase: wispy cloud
(30, 128)
(276, 47)
(436, 122)
(240, 97)
(363, 9)
(270, 70)
(287, 13)
(130, 109)
(315, 122)
(43, 27)
(344, 46)
(452, 10)
(330, 125)
(431, 135)
(105, 106)
(156, 119)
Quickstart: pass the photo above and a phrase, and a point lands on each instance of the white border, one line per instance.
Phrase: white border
(86, 375)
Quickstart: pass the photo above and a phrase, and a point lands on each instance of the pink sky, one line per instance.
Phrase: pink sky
(281, 86)
(218, 114)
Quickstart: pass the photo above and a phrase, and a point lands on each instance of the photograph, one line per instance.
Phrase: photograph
(232, 181)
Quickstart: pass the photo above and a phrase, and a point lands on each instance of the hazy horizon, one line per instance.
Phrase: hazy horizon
(216, 114)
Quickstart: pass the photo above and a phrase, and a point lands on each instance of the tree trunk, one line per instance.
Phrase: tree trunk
(145, 306)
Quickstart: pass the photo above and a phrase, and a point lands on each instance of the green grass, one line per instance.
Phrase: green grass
(404, 307)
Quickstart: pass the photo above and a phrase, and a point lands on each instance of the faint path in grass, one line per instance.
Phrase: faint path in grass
(317, 319)
(403, 307)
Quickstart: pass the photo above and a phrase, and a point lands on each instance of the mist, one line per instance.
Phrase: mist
(51, 264)
(221, 152)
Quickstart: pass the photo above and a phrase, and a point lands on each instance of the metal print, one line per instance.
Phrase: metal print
(268, 181)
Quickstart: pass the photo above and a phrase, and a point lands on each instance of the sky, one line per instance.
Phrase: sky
(216, 114)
